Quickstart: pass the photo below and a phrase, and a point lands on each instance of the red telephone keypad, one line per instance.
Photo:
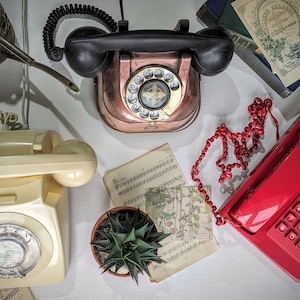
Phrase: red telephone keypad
(290, 218)
(286, 230)
(298, 227)
(297, 208)
(282, 228)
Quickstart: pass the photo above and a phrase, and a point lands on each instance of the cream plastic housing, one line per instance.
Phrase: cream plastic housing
(72, 163)
(35, 169)
(40, 205)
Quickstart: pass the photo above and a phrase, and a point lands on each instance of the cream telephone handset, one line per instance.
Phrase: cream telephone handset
(35, 169)
(71, 163)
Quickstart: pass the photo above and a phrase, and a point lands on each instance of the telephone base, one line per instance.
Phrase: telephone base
(44, 220)
(34, 217)
(149, 92)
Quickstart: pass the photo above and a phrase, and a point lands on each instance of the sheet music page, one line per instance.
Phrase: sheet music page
(16, 294)
(180, 211)
(275, 27)
(127, 185)
(180, 255)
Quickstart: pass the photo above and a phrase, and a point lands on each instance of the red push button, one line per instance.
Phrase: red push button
(292, 236)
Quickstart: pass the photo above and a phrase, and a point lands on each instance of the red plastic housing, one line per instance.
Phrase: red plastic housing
(267, 204)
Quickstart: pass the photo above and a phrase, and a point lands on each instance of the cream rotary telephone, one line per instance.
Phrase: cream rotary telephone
(36, 168)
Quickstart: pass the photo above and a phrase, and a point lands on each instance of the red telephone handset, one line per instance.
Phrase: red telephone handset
(260, 203)
(265, 209)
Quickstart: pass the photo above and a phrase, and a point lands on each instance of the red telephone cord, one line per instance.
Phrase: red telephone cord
(258, 111)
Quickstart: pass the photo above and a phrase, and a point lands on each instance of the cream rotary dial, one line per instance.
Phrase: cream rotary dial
(19, 251)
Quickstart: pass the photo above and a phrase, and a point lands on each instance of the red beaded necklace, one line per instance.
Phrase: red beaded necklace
(258, 111)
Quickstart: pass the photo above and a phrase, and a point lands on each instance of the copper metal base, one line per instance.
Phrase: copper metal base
(134, 97)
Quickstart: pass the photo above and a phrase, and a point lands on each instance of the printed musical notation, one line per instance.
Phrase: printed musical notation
(16, 294)
(127, 185)
(180, 255)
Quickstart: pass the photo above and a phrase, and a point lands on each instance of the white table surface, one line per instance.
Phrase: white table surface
(237, 270)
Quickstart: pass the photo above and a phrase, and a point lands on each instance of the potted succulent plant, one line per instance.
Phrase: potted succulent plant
(125, 238)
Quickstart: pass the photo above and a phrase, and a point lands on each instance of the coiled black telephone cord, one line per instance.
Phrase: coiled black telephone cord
(56, 53)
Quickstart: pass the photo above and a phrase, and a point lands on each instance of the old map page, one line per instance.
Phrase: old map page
(275, 27)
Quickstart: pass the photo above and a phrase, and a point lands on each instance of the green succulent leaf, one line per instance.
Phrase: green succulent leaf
(133, 241)
(130, 237)
(118, 265)
(118, 239)
(145, 268)
(157, 237)
(143, 246)
(103, 244)
(116, 226)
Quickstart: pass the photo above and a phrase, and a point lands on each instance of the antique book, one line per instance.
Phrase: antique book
(210, 14)
(159, 170)
(263, 71)
(274, 25)
(230, 20)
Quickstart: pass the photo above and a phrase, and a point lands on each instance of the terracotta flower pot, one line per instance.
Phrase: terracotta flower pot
(103, 224)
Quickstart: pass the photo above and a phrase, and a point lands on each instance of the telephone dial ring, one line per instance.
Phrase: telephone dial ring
(153, 93)
(19, 251)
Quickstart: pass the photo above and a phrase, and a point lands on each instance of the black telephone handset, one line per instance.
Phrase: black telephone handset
(211, 48)
(146, 80)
